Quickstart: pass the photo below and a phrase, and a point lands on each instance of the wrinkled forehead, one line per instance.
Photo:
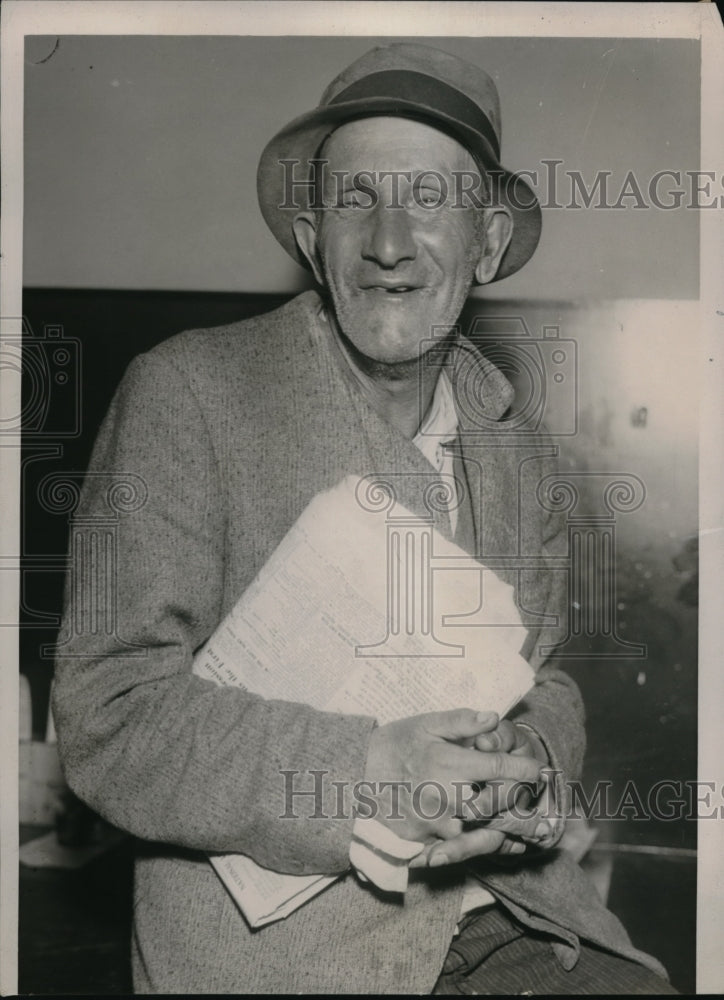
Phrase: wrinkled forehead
(392, 143)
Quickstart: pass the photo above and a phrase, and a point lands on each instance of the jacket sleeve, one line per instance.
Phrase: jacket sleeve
(554, 708)
(156, 750)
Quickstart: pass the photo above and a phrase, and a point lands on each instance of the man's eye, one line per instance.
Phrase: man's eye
(352, 200)
(429, 198)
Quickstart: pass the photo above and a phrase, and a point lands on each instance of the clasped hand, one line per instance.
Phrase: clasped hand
(459, 781)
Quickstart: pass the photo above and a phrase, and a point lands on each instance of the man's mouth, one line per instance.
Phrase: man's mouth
(398, 289)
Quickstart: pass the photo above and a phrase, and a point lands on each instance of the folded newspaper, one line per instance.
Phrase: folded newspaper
(363, 611)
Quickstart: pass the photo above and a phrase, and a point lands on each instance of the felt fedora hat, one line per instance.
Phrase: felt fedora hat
(409, 81)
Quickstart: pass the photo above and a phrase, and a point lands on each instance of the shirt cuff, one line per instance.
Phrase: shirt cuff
(380, 856)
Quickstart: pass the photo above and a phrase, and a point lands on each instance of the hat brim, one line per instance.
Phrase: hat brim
(302, 138)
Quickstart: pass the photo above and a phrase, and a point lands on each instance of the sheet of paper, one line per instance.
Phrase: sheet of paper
(263, 895)
(359, 614)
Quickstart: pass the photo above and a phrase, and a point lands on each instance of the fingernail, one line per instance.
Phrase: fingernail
(516, 848)
(484, 716)
(438, 859)
(542, 830)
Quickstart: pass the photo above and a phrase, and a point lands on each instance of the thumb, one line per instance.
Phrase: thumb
(460, 723)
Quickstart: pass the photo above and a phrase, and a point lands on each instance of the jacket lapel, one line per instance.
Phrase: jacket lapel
(482, 395)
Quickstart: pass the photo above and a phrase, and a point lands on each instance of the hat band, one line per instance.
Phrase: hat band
(424, 91)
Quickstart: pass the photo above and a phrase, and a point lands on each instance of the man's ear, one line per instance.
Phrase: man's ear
(305, 233)
(497, 233)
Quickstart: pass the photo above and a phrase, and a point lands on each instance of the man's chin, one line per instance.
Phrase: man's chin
(382, 338)
(382, 351)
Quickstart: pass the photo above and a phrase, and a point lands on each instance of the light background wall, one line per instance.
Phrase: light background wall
(141, 154)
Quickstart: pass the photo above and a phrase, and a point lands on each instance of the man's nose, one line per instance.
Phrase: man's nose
(390, 237)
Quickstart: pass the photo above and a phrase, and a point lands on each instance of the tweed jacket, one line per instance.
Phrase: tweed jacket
(226, 435)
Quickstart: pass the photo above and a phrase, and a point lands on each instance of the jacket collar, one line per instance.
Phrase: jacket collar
(482, 393)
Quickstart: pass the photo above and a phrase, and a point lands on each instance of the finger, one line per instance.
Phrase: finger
(448, 828)
(451, 762)
(475, 804)
(468, 844)
(511, 847)
(459, 723)
(434, 806)
(443, 830)
(502, 738)
(498, 796)
(476, 765)
(421, 860)
(530, 826)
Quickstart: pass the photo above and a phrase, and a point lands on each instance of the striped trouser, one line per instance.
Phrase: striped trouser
(493, 954)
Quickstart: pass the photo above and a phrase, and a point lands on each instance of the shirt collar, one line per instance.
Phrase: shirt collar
(440, 424)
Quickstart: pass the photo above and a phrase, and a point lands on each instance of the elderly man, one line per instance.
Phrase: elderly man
(233, 432)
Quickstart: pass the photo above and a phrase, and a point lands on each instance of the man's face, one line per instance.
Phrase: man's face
(394, 273)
